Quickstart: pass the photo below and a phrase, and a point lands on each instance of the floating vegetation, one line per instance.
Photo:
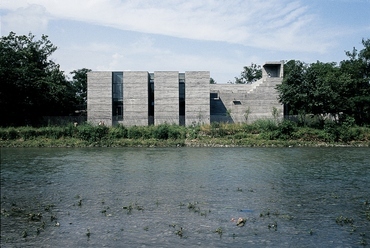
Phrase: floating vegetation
(340, 220)
(265, 213)
(48, 207)
(192, 206)
(133, 206)
(219, 231)
(273, 226)
(179, 232)
(35, 217)
(53, 217)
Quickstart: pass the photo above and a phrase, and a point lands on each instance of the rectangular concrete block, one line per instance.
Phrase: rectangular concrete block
(166, 97)
(99, 97)
(135, 98)
(197, 97)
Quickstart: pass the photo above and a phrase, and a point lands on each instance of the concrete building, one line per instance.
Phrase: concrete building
(142, 98)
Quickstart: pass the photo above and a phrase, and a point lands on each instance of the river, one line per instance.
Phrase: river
(185, 197)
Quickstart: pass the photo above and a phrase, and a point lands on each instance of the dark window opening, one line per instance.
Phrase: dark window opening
(118, 111)
(117, 92)
(237, 102)
(151, 98)
(182, 98)
(214, 96)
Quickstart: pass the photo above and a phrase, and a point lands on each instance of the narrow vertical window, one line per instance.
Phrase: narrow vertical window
(151, 98)
(117, 96)
(182, 98)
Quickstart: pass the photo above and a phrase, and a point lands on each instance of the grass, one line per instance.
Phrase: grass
(262, 133)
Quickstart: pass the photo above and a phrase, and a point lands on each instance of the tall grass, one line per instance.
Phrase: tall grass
(258, 133)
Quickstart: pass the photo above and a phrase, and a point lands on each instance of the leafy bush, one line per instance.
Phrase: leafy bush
(285, 129)
(92, 133)
(27, 132)
(264, 125)
(193, 132)
(118, 132)
(176, 132)
(135, 132)
(161, 132)
(9, 133)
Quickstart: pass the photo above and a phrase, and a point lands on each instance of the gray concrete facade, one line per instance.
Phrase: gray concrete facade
(181, 98)
(246, 103)
(135, 98)
(166, 97)
(197, 101)
(99, 97)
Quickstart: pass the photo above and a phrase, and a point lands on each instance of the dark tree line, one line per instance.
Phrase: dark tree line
(32, 85)
(338, 91)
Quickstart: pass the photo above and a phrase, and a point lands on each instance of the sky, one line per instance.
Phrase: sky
(220, 36)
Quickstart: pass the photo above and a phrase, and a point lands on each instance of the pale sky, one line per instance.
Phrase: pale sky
(220, 36)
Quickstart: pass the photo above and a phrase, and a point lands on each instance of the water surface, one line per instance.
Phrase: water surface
(171, 197)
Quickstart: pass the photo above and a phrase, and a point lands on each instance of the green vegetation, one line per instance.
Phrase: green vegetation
(327, 90)
(262, 133)
(33, 86)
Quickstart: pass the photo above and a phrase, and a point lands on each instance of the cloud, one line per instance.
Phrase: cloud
(32, 18)
(271, 24)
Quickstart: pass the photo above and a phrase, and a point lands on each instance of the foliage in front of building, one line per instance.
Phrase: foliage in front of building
(259, 133)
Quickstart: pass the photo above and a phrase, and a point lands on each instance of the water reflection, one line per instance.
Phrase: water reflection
(146, 197)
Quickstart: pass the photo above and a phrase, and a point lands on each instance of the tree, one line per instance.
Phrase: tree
(250, 74)
(79, 82)
(357, 69)
(294, 91)
(32, 85)
(212, 81)
(326, 89)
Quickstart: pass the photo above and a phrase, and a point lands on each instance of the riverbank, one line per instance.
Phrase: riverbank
(262, 133)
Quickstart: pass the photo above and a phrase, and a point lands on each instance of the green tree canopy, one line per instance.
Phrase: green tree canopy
(79, 82)
(32, 85)
(250, 74)
(324, 89)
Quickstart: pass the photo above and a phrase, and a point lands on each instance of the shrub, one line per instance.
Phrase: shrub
(176, 132)
(8, 133)
(161, 132)
(118, 132)
(91, 133)
(285, 129)
(264, 125)
(27, 133)
(134, 132)
(193, 132)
